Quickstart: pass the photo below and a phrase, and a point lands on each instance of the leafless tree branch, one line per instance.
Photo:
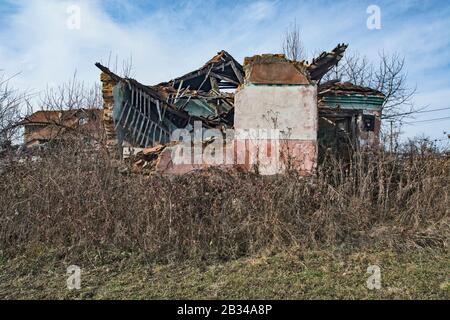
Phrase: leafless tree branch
(292, 43)
(10, 112)
(73, 94)
(388, 75)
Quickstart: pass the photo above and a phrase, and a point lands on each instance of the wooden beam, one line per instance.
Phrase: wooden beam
(221, 77)
(236, 72)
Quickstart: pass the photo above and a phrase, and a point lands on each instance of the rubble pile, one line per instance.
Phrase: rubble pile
(146, 160)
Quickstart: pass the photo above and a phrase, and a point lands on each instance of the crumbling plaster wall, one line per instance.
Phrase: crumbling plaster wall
(292, 109)
(369, 138)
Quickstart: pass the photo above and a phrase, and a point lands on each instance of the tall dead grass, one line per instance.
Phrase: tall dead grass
(80, 201)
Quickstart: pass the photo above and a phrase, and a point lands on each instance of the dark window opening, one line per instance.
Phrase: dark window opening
(369, 123)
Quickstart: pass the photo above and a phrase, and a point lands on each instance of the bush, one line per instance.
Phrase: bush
(80, 201)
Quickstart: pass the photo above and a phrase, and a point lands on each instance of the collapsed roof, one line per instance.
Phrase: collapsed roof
(335, 87)
(197, 95)
(221, 72)
(58, 116)
(346, 95)
(46, 125)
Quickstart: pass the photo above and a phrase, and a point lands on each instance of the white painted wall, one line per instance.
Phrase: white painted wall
(292, 109)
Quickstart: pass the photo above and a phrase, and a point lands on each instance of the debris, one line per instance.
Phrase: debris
(153, 150)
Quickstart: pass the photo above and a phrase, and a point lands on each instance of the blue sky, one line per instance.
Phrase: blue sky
(169, 38)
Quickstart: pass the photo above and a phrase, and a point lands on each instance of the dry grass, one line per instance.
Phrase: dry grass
(80, 201)
(292, 274)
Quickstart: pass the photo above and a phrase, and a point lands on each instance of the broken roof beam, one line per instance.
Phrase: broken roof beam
(148, 90)
(325, 62)
(224, 78)
(222, 67)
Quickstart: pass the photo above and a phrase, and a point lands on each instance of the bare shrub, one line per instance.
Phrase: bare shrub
(11, 101)
(70, 95)
(77, 200)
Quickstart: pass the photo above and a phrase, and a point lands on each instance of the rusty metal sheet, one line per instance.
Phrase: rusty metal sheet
(276, 73)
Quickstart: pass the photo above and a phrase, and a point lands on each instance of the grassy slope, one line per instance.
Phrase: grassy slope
(291, 275)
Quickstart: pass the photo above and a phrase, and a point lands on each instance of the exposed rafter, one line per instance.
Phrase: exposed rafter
(325, 62)
(223, 68)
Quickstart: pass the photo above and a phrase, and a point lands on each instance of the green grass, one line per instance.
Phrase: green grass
(293, 274)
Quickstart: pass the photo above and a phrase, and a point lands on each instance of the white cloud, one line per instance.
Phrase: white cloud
(47, 51)
(260, 10)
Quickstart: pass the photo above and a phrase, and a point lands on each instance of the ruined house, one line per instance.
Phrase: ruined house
(44, 126)
(271, 92)
(349, 116)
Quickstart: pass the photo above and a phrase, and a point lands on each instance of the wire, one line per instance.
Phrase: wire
(425, 111)
(414, 112)
(428, 120)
